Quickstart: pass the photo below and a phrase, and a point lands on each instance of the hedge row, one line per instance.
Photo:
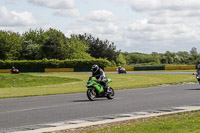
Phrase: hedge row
(41, 64)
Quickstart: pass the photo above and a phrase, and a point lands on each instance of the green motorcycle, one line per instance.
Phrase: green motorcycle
(95, 89)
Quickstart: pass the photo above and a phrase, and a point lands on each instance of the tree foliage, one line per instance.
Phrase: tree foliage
(10, 45)
(181, 57)
(100, 48)
(77, 48)
(54, 46)
(40, 44)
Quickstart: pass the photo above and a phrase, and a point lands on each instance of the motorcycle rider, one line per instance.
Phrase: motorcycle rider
(12, 69)
(119, 69)
(100, 76)
(198, 68)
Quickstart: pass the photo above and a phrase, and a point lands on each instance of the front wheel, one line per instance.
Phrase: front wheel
(91, 94)
(111, 93)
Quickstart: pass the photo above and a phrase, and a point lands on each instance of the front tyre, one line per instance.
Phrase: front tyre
(111, 93)
(91, 94)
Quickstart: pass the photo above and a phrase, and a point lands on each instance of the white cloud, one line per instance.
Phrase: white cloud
(12, 18)
(167, 25)
(56, 4)
(100, 23)
(147, 37)
(11, 1)
(144, 5)
(159, 30)
(151, 25)
(101, 16)
(65, 8)
(67, 12)
(107, 28)
(165, 20)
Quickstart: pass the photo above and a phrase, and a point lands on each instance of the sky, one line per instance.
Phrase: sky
(143, 26)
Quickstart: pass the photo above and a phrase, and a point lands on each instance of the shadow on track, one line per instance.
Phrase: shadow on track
(79, 101)
(89, 100)
(195, 89)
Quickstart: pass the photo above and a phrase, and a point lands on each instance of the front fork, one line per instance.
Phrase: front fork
(92, 90)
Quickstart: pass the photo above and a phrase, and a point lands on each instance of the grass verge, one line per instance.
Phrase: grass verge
(27, 80)
(187, 122)
(37, 84)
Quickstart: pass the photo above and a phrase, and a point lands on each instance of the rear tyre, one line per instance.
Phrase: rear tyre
(91, 94)
(111, 93)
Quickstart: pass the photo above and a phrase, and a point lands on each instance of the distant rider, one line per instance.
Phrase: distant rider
(100, 76)
(12, 69)
(198, 68)
(119, 69)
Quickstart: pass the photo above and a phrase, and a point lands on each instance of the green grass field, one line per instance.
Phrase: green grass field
(37, 84)
(27, 80)
(188, 122)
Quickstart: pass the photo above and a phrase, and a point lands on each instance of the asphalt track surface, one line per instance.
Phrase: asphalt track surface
(17, 112)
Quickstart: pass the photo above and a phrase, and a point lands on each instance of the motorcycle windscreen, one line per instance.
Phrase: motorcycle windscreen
(108, 81)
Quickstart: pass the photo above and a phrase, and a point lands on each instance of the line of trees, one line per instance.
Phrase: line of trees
(181, 57)
(53, 44)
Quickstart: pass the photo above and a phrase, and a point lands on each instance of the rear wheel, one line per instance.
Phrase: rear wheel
(91, 94)
(111, 93)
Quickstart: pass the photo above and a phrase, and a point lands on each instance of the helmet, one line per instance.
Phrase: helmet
(199, 62)
(95, 68)
(120, 66)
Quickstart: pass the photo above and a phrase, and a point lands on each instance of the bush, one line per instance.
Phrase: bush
(53, 63)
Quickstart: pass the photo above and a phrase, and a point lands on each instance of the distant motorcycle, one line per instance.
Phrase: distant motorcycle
(96, 90)
(14, 71)
(197, 77)
(122, 70)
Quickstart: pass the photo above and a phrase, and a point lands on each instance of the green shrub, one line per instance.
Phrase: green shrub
(53, 63)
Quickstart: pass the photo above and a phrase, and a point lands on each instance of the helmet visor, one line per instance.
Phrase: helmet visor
(94, 69)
